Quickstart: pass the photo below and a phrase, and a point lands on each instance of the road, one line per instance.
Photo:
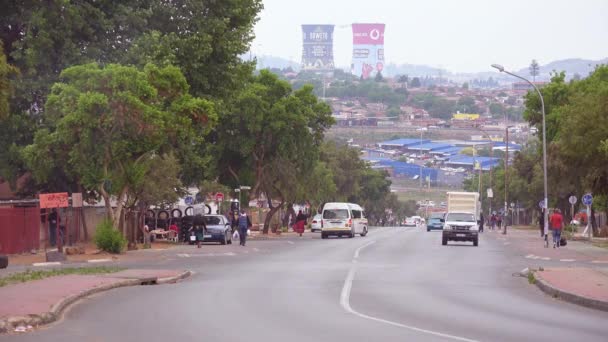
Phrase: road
(396, 284)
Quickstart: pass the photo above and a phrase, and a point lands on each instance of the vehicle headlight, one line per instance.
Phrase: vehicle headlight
(446, 226)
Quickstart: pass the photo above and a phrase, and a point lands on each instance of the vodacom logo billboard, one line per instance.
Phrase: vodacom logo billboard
(366, 34)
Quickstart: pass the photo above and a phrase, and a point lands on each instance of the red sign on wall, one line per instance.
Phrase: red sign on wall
(55, 200)
(368, 34)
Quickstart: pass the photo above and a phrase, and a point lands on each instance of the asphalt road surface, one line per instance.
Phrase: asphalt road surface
(396, 284)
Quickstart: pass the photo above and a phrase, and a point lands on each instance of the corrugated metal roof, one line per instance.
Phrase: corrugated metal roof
(404, 142)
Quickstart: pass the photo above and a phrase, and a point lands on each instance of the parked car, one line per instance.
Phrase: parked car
(218, 229)
(315, 225)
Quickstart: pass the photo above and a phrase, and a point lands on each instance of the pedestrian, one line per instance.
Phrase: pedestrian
(541, 223)
(53, 223)
(199, 228)
(499, 221)
(300, 223)
(493, 221)
(244, 224)
(481, 218)
(557, 223)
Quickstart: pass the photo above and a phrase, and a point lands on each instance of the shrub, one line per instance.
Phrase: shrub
(109, 239)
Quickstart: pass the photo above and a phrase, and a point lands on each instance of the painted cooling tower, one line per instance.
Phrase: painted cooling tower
(368, 50)
(318, 47)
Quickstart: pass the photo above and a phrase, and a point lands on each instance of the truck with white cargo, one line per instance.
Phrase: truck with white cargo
(461, 220)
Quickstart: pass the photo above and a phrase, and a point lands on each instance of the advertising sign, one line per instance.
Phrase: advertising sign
(368, 50)
(318, 47)
(54, 200)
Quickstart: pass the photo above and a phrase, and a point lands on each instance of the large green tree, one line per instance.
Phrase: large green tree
(270, 138)
(104, 127)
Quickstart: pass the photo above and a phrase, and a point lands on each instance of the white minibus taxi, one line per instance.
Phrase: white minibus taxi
(343, 219)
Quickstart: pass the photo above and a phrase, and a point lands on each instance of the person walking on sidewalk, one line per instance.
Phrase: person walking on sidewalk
(300, 223)
(481, 219)
(557, 223)
(541, 223)
(244, 224)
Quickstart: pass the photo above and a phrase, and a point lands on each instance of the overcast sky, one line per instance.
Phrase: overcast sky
(457, 35)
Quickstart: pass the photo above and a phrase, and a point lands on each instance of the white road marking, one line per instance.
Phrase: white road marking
(546, 258)
(183, 255)
(256, 250)
(99, 260)
(599, 262)
(291, 242)
(345, 302)
(506, 243)
(530, 256)
(567, 260)
(39, 264)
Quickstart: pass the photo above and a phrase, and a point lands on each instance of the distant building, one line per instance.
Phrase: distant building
(465, 116)
(525, 86)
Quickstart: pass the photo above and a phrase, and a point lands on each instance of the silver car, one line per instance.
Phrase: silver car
(315, 224)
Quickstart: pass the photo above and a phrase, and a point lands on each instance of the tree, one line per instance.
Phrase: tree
(205, 38)
(534, 69)
(106, 125)
(6, 90)
(270, 138)
(467, 105)
(497, 109)
(415, 83)
(465, 86)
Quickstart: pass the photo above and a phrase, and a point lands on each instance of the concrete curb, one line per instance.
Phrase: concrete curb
(569, 296)
(8, 324)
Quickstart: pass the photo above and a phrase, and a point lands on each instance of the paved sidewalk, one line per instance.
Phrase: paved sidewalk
(39, 302)
(575, 273)
(532, 246)
(584, 286)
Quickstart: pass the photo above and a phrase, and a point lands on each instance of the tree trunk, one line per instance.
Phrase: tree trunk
(594, 226)
(288, 212)
(269, 218)
(84, 225)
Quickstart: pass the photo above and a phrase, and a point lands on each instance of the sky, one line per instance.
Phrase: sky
(455, 35)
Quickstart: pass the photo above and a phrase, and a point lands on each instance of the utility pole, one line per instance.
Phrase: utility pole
(506, 180)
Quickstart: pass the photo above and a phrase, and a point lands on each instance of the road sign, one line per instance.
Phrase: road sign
(512, 205)
(54, 200)
(490, 193)
(541, 204)
(219, 197)
(587, 199)
(572, 200)
(244, 187)
(189, 200)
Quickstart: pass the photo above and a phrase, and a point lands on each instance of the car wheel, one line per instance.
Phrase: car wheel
(351, 234)
(224, 240)
(323, 236)
(428, 229)
(476, 242)
(364, 231)
(444, 241)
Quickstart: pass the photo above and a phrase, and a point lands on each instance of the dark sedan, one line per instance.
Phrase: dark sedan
(218, 229)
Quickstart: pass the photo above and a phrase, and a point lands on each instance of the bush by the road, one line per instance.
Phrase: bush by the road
(109, 239)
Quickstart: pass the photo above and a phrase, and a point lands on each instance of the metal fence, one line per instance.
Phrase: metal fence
(19, 230)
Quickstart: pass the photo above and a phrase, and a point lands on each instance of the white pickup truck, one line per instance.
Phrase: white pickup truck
(461, 220)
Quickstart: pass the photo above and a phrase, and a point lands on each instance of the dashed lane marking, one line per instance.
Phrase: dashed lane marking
(291, 242)
(567, 260)
(599, 262)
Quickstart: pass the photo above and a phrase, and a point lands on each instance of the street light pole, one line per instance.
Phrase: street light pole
(542, 103)
(491, 156)
(506, 212)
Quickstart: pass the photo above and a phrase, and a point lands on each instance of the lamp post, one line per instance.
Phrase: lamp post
(491, 156)
(542, 103)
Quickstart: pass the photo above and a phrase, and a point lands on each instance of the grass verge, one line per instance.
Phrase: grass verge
(30, 275)
(531, 278)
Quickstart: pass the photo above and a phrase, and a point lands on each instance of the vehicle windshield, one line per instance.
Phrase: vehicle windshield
(337, 214)
(460, 217)
(434, 220)
(213, 220)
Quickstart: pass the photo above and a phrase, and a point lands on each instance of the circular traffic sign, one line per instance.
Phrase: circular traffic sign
(541, 204)
(572, 199)
(587, 199)
(189, 200)
(219, 197)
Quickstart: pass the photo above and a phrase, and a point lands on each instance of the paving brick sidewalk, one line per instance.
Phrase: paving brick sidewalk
(585, 286)
(41, 301)
(531, 245)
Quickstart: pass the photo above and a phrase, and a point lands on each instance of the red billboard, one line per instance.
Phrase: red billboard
(368, 34)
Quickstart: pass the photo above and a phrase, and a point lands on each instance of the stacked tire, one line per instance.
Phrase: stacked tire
(3, 261)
